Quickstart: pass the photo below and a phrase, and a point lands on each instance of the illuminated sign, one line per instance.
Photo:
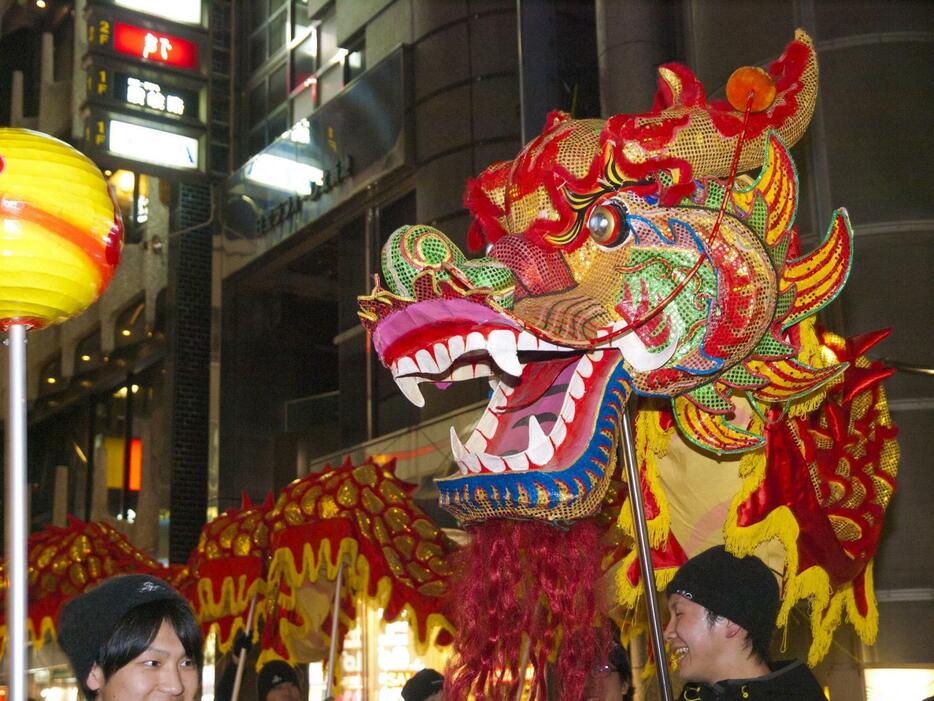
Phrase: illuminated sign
(144, 41)
(146, 93)
(144, 144)
(140, 89)
(308, 182)
(154, 46)
(184, 11)
(151, 145)
(284, 174)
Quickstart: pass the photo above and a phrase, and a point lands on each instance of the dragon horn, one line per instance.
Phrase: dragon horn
(687, 129)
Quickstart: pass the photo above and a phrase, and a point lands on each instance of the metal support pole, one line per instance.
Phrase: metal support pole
(371, 249)
(16, 527)
(241, 658)
(127, 448)
(627, 452)
(335, 620)
(520, 59)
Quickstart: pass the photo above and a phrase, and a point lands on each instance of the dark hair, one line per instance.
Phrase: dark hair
(619, 660)
(758, 648)
(139, 627)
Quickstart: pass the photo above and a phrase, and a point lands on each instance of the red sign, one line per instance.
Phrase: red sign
(154, 46)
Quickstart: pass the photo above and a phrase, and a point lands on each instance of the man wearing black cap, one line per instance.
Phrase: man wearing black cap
(277, 681)
(132, 638)
(425, 685)
(723, 611)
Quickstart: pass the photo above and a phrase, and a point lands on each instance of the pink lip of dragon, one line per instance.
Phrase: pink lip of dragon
(615, 267)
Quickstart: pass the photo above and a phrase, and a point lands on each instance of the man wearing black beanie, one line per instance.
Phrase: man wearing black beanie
(131, 638)
(723, 611)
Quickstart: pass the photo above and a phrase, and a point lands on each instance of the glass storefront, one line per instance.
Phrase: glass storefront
(378, 659)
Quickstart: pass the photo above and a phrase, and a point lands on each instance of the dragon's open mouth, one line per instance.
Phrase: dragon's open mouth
(543, 394)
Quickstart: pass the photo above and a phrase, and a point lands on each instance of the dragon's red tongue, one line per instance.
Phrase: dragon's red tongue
(537, 378)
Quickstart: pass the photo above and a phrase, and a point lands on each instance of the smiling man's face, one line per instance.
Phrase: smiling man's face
(698, 644)
(163, 672)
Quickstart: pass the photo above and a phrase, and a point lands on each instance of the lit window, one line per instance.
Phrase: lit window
(899, 683)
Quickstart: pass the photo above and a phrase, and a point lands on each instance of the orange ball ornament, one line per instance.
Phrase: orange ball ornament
(750, 81)
(61, 233)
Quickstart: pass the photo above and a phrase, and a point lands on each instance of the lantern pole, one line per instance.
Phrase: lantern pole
(627, 452)
(335, 619)
(241, 658)
(15, 505)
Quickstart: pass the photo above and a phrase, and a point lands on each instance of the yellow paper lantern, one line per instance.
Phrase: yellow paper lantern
(61, 233)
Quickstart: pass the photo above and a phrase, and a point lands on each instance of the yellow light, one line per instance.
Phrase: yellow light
(899, 683)
(125, 180)
(50, 380)
(134, 388)
(126, 332)
(85, 357)
(40, 4)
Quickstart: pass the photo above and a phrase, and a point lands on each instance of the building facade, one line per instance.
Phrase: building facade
(227, 355)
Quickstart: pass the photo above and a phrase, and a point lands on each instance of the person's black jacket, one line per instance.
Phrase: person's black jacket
(788, 681)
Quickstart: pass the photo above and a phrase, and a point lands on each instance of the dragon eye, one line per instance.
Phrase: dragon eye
(607, 224)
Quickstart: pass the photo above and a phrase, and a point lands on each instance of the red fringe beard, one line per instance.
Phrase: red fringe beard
(525, 578)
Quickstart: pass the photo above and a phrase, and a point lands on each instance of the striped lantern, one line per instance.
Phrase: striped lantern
(61, 233)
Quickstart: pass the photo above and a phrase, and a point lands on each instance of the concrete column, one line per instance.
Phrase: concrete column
(633, 38)
(99, 484)
(146, 528)
(16, 100)
(60, 496)
(48, 58)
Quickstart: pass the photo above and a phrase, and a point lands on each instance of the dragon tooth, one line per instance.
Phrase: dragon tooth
(559, 432)
(471, 461)
(637, 354)
(526, 342)
(576, 387)
(536, 434)
(518, 462)
(482, 369)
(502, 346)
(493, 463)
(488, 423)
(568, 409)
(455, 347)
(541, 454)
(464, 372)
(584, 367)
(405, 366)
(426, 363)
(457, 448)
(409, 387)
(475, 341)
(442, 357)
(476, 443)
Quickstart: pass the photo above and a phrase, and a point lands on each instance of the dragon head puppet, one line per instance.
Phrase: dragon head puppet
(622, 257)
